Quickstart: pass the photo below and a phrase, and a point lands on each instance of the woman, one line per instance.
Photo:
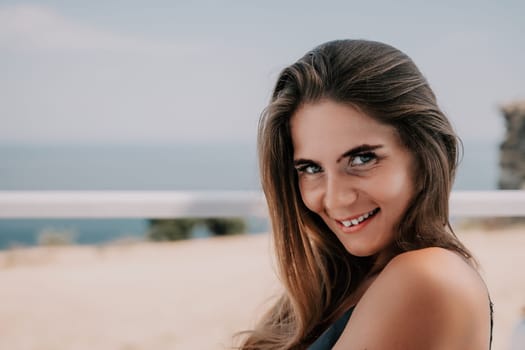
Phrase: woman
(357, 163)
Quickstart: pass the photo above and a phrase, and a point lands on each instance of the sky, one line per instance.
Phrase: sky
(160, 72)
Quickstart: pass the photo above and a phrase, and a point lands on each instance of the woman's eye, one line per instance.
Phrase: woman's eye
(309, 169)
(362, 159)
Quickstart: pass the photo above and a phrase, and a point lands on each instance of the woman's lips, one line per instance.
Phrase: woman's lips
(357, 222)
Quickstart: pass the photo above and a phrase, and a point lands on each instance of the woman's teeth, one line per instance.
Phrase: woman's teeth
(356, 221)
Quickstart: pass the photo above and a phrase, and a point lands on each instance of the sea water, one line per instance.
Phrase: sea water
(185, 167)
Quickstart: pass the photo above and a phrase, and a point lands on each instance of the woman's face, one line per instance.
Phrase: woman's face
(353, 172)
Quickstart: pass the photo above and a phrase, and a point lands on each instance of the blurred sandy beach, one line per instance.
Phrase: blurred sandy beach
(184, 295)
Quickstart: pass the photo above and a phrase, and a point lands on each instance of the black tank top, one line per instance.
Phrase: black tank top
(328, 339)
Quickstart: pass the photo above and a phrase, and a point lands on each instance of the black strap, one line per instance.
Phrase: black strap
(328, 339)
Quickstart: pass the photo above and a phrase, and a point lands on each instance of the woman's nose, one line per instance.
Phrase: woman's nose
(339, 194)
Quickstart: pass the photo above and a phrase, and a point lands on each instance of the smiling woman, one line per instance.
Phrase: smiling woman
(358, 175)
(357, 164)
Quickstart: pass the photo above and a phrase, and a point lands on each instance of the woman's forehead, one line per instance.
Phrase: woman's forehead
(332, 125)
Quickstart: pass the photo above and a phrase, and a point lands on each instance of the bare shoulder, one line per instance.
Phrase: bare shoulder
(424, 299)
(437, 266)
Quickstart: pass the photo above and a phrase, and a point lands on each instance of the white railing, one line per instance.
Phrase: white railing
(176, 204)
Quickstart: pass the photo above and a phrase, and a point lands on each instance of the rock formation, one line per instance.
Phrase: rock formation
(512, 149)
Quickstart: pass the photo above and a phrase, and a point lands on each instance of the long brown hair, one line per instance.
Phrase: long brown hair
(317, 272)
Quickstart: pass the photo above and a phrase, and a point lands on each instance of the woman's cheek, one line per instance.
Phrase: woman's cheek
(397, 186)
(309, 195)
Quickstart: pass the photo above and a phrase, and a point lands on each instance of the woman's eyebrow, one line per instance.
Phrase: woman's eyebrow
(359, 149)
(352, 152)
(303, 161)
